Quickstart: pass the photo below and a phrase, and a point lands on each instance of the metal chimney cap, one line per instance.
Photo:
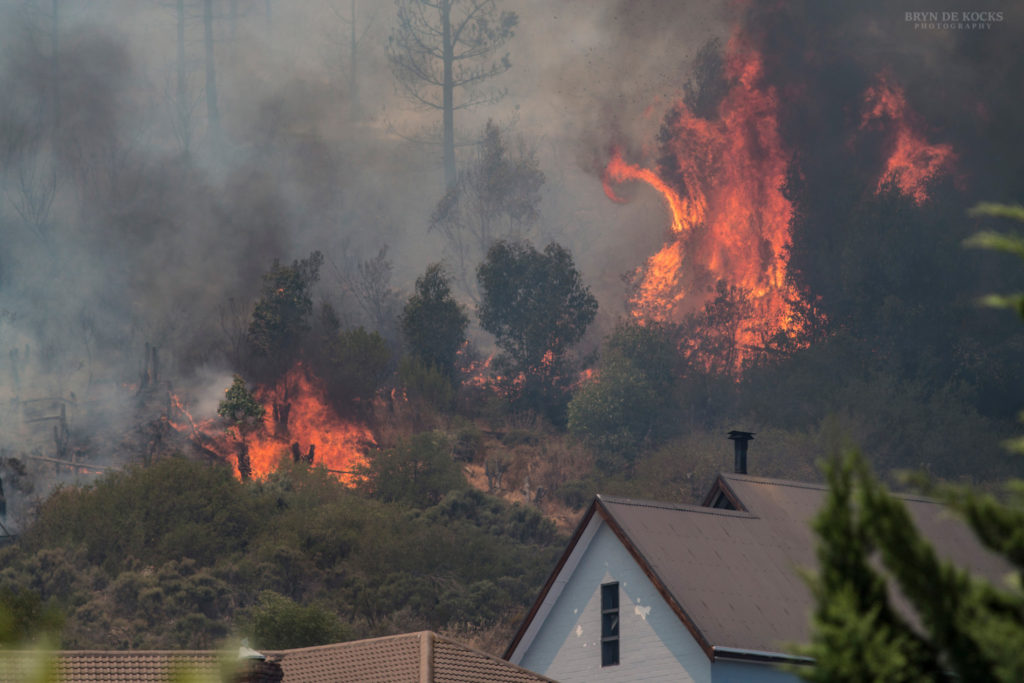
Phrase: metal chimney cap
(741, 436)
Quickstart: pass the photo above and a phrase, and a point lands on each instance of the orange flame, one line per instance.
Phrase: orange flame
(339, 444)
(734, 223)
(913, 162)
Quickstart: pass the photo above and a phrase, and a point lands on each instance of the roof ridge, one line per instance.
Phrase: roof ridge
(679, 507)
(753, 479)
(362, 641)
(122, 653)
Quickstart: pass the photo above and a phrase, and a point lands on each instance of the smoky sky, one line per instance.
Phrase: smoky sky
(115, 235)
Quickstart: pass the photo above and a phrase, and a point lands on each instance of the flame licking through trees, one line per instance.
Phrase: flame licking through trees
(730, 218)
(913, 161)
(308, 420)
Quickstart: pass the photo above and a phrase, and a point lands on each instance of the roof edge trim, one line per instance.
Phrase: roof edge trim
(525, 625)
(741, 654)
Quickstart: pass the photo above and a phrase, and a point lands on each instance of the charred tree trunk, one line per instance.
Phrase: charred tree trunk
(244, 464)
(281, 411)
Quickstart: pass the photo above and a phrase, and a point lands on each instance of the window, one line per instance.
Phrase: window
(609, 624)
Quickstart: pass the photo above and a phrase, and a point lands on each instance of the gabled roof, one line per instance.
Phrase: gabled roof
(423, 657)
(731, 575)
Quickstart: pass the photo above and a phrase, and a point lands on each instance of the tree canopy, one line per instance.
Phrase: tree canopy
(433, 322)
(280, 317)
(534, 303)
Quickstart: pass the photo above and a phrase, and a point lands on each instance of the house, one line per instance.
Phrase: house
(709, 593)
(423, 657)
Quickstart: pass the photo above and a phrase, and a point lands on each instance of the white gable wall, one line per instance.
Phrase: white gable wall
(653, 642)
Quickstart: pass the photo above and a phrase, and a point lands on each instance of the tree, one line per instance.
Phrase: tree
(443, 51)
(280, 318)
(281, 623)
(244, 414)
(433, 322)
(630, 402)
(537, 307)
(496, 197)
(356, 362)
(534, 303)
(419, 471)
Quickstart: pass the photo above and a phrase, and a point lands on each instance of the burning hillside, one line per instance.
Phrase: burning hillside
(297, 422)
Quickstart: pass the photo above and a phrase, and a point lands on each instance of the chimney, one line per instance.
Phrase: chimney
(741, 439)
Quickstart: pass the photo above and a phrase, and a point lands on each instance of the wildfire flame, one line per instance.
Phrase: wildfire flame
(913, 162)
(338, 444)
(733, 224)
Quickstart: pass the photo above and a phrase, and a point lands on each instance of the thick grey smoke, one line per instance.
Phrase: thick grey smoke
(125, 221)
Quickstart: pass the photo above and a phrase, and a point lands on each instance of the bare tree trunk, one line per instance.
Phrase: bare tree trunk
(182, 105)
(212, 111)
(448, 95)
(353, 74)
(55, 65)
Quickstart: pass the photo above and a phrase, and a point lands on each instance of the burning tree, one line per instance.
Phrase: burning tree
(244, 415)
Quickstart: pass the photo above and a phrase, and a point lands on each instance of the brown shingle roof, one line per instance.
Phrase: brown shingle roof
(423, 657)
(731, 575)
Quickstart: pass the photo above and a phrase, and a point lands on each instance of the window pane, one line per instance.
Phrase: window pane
(610, 625)
(609, 596)
(609, 653)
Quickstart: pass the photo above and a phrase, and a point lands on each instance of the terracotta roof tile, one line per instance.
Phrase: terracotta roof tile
(456, 663)
(407, 658)
(88, 666)
(392, 658)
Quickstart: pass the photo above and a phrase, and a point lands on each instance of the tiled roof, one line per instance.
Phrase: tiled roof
(456, 663)
(421, 657)
(393, 658)
(88, 666)
(411, 657)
